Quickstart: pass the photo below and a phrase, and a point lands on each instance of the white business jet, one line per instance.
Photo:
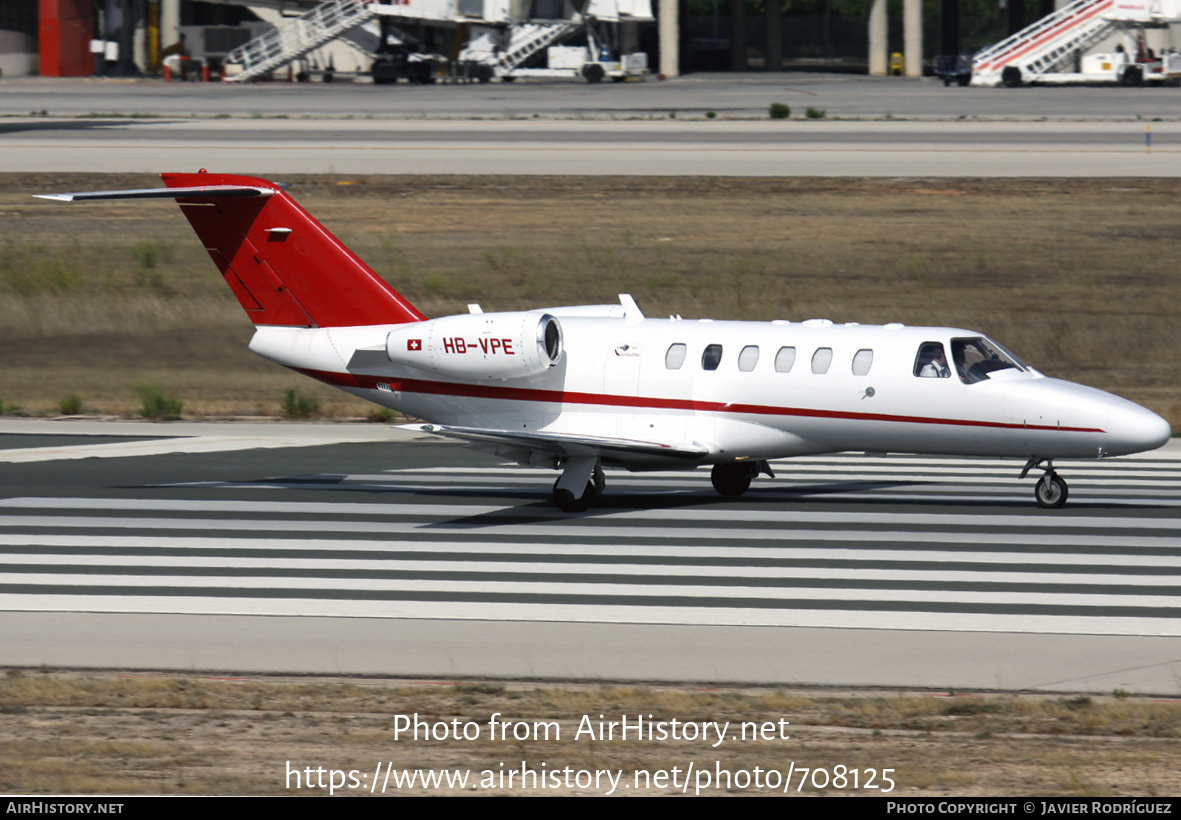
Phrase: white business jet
(577, 388)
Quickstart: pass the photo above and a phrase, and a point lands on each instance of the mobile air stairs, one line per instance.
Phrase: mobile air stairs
(295, 38)
(1054, 49)
(500, 40)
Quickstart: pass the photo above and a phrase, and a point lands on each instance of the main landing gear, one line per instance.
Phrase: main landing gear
(584, 474)
(734, 478)
(1050, 491)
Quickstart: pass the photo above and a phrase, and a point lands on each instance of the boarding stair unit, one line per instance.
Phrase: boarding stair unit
(1050, 49)
(295, 38)
(1045, 46)
(499, 42)
(529, 38)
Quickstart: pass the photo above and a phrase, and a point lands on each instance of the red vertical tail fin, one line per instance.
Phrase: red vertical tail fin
(283, 265)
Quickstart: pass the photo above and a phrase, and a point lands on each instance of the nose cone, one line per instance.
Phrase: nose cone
(1133, 429)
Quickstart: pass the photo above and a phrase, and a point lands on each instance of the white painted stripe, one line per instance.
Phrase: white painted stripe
(1034, 518)
(395, 527)
(1039, 598)
(755, 577)
(723, 616)
(571, 531)
(618, 548)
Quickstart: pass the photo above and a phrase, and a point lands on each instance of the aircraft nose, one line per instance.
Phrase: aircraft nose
(1134, 429)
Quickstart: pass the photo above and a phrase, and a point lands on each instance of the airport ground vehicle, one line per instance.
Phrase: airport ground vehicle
(954, 68)
(1062, 47)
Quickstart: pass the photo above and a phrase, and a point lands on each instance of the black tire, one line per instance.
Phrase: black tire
(303, 77)
(732, 479)
(1133, 76)
(566, 502)
(946, 81)
(593, 72)
(964, 80)
(421, 73)
(328, 76)
(1011, 77)
(598, 481)
(1050, 491)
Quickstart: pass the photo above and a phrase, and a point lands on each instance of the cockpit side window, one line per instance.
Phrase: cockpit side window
(976, 357)
(931, 363)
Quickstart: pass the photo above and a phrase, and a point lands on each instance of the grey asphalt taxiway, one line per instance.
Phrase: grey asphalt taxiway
(872, 127)
(360, 549)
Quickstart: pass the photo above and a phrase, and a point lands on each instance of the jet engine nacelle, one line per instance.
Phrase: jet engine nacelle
(480, 345)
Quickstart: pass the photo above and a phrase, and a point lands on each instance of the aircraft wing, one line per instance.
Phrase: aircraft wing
(547, 448)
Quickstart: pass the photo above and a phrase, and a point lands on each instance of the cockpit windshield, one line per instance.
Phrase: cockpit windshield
(977, 356)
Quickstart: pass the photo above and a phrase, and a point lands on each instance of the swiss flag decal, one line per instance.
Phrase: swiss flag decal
(414, 344)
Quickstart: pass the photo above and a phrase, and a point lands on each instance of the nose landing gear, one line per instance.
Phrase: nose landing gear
(1051, 490)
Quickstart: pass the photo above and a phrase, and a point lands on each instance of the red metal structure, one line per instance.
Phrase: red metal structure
(65, 30)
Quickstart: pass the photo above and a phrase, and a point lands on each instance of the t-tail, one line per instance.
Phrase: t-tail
(284, 267)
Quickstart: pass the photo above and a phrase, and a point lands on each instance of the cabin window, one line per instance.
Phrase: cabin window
(821, 360)
(784, 359)
(675, 357)
(712, 357)
(931, 363)
(862, 362)
(748, 358)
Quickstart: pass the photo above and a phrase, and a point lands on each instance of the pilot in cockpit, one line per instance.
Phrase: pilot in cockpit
(932, 362)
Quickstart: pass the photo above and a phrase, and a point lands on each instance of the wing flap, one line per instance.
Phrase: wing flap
(525, 447)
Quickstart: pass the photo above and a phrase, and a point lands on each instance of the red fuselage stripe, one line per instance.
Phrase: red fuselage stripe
(488, 391)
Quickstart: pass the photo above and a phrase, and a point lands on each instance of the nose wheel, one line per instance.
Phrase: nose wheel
(1051, 490)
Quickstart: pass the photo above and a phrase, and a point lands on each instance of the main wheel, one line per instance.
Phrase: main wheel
(566, 502)
(731, 479)
(1050, 491)
(593, 72)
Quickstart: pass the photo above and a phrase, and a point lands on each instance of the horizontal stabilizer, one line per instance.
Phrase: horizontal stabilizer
(163, 193)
